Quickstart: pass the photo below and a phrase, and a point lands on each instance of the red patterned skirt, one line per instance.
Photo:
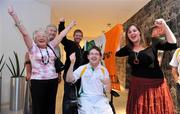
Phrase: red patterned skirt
(149, 96)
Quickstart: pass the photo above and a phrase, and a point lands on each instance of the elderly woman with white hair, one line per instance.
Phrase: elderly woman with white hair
(44, 79)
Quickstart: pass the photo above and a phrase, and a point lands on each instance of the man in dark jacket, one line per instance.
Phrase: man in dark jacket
(70, 47)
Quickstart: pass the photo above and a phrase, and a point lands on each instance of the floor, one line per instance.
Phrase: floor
(119, 102)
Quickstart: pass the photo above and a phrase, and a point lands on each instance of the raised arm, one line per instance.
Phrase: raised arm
(61, 26)
(69, 75)
(28, 41)
(169, 34)
(63, 33)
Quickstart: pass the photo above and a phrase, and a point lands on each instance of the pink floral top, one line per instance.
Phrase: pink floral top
(41, 70)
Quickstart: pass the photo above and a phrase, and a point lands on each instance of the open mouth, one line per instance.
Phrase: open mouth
(133, 37)
(41, 41)
(93, 59)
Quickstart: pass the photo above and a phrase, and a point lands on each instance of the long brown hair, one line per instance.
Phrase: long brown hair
(128, 41)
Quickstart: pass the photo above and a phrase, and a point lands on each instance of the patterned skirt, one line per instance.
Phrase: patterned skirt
(149, 96)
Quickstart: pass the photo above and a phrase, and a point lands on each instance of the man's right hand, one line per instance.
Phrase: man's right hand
(62, 19)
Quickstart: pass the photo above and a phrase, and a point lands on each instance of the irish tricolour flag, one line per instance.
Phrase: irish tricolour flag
(109, 42)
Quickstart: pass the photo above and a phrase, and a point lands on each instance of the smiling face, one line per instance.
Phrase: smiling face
(41, 38)
(52, 31)
(94, 56)
(134, 34)
(78, 35)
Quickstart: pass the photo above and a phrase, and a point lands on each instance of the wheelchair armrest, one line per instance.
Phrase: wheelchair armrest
(114, 93)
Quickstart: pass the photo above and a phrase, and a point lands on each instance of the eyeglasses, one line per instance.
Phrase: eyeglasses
(94, 54)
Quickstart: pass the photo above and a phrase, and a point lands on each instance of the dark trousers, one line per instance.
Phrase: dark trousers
(43, 94)
(68, 94)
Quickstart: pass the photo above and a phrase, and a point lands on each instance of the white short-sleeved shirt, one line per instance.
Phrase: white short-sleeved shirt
(91, 84)
(175, 60)
(39, 70)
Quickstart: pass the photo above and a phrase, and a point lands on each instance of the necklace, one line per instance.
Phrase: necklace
(44, 61)
(136, 60)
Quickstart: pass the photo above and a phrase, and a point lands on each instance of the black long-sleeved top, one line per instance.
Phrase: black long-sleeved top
(70, 47)
(148, 66)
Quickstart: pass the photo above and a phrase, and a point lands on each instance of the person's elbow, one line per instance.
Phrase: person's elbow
(70, 79)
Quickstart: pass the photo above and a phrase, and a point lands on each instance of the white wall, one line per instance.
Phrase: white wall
(33, 15)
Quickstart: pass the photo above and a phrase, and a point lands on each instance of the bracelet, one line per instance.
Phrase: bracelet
(27, 62)
(18, 24)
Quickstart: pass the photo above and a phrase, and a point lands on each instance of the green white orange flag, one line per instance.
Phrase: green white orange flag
(109, 42)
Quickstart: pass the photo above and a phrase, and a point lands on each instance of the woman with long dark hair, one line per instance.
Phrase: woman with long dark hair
(148, 91)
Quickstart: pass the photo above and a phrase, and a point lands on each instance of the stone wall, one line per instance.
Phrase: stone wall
(144, 18)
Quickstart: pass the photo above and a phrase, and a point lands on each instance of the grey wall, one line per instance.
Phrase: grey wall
(33, 15)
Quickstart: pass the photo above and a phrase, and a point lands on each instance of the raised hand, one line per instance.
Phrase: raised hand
(62, 19)
(169, 34)
(73, 23)
(160, 23)
(11, 10)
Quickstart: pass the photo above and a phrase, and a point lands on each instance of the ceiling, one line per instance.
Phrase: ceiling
(94, 16)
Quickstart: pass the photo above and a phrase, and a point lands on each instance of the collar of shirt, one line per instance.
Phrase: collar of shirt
(90, 67)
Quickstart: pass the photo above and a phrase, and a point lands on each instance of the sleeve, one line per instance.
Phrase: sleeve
(33, 49)
(174, 61)
(77, 73)
(61, 27)
(123, 52)
(164, 45)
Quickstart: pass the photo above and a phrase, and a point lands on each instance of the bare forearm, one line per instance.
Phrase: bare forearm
(169, 35)
(108, 86)
(28, 70)
(175, 74)
(69, 75)
(28, 41)
(19, 25)
(63, 33)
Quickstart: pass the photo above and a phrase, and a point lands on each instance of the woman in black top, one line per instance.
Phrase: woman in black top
(148, 91)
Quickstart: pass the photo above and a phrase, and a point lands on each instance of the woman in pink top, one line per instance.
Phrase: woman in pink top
(44, 80)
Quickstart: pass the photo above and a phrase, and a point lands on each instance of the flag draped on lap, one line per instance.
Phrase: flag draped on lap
(108, 43)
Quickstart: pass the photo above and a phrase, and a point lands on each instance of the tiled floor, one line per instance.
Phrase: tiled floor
(119, 102)
(5, 110)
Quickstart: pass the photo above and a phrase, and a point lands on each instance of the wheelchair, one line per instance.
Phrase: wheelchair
(113, 94)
